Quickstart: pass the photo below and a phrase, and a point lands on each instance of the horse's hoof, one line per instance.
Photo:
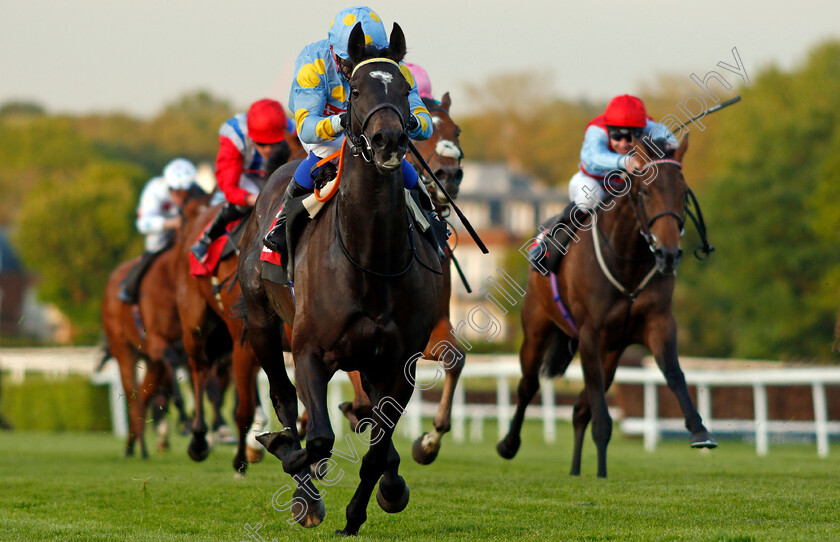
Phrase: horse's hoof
(306, 511)
(238, 475)
(198, 452)
(254, 455)
(508, 447)
(399, 503)
(345, 532)
(163, 445)
(277, 444)
(703, 439)
(346, 408)
(239, 464)
(425, 450)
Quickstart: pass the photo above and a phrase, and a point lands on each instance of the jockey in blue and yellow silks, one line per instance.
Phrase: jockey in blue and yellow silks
(318, 100)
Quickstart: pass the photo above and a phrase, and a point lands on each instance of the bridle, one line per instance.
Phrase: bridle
(645, 223)
(360, 144)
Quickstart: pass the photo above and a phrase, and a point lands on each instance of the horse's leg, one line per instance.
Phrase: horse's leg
(440, 349)
(538, 330)
(127, 359)
(382, 459)
(582, 414)
(217, 385)
(593, 377)
(194, 342)
(360, 408)
(312, 376)
(152, 384)
(173, 360)
(245, 377)
(661, 338)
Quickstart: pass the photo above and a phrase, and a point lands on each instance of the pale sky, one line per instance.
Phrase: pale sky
(135, 56)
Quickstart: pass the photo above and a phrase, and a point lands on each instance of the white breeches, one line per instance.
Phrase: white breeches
(156, 241)
(585, 191)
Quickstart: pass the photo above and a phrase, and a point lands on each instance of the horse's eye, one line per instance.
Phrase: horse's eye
(354, 92)
(643, 192)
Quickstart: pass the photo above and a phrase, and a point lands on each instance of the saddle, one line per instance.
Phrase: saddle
(551, 244)
(299, 212)
(221, 249)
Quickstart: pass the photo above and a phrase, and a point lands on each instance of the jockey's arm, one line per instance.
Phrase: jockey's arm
(308, 100)
(150, 212)
(418, 109)
(596, 156)
(229, 165)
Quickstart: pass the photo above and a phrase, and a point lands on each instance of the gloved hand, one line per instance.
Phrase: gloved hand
(337, 122)
(413, 124)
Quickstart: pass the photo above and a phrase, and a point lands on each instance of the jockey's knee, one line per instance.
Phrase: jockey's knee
(409, 174)
(303, 173)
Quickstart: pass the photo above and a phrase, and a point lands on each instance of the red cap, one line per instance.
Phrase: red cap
(626, 111)
(266, 121)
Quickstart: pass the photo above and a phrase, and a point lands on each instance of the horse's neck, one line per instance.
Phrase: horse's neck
(621, 230)
(372, 216)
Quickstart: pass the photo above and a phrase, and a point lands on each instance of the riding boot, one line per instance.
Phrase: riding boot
(547, 253)
(226, 215)
(130, 285)
(275, 239)
(437, 233)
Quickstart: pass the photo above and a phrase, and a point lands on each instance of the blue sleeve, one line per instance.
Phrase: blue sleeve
(308, 98)
(595, 154)
(417, 108)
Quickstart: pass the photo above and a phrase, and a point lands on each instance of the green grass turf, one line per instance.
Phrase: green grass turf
(73, 486)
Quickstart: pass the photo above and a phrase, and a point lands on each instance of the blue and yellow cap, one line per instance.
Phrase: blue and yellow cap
(343, 23)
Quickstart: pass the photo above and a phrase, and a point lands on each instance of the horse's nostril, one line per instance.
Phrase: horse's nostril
(378, 142)
(402, 141)
(458, 176)
(441, 175)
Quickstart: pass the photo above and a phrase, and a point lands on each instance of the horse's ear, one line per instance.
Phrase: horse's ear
(680, 152)
(396, 44)
(446, 101)
(356, 44)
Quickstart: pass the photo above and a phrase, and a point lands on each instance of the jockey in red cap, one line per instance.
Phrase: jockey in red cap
(607, 143)
(251, 147)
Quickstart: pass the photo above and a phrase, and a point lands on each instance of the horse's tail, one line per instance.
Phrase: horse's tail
(559, 353)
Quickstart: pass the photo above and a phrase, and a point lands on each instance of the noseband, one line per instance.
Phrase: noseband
(360, 144)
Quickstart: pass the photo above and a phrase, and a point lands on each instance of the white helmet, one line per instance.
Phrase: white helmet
(179, 174)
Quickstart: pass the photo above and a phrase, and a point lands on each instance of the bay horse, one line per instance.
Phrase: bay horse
(624, 300)
(208, 307)
(158, 341)
(150, 330)
(443, 154)
(362, 301)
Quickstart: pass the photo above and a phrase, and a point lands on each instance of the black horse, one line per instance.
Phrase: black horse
(366, 290)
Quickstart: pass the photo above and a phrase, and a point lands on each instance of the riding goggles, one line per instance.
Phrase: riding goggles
(619, 134)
